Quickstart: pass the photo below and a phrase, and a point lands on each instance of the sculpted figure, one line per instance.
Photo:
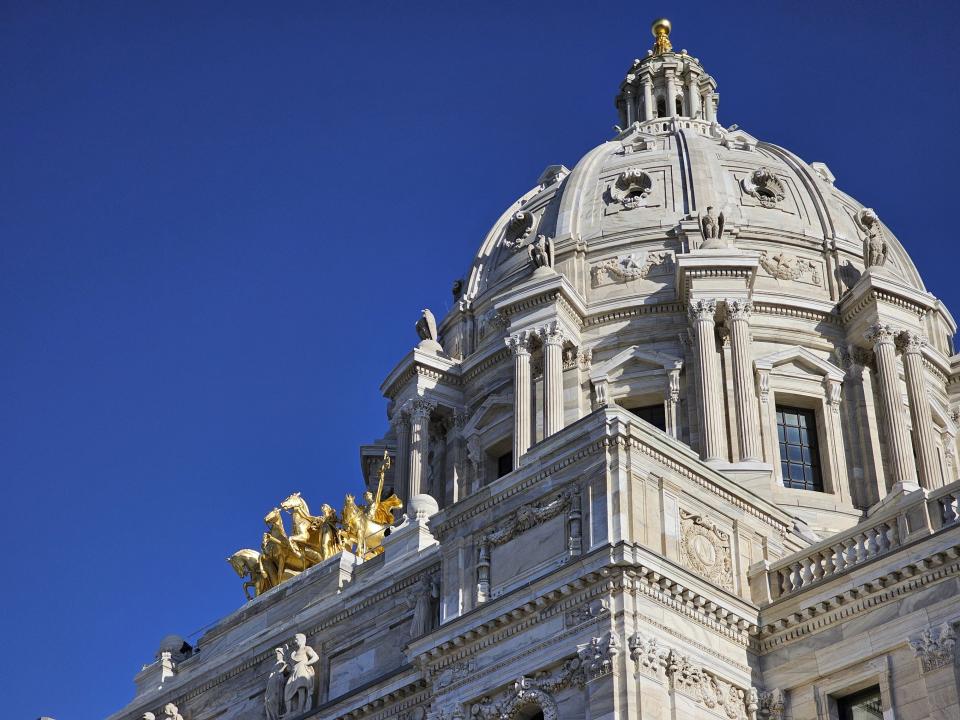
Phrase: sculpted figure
(298, 693)
(276, 547)
(170, 712)
(247, 564)
(712, 224)
(541, 252)
(874, 244)
(276, 681)
(427, 326)
(305, 539)
(330, 543)
(427, 593)
(149, 716)
(457, 289)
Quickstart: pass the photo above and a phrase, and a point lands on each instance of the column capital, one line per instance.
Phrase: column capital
(552, 334)
(738, 309)
(421, 408)
(881, 334)
(935, 647)
(703, 309)
(519, 342)
(911, 343)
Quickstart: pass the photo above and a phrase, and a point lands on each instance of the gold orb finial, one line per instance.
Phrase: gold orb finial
(660, 29)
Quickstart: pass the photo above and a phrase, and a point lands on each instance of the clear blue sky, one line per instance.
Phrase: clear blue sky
(219, 222)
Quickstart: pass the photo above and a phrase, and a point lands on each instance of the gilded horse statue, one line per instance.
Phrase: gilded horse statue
(247, 564)
(314, 538)
(364, 526)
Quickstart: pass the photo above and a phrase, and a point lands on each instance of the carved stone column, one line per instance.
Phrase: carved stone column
(924, 441)
(673, 403)
(419, 445)
(647, 97)
(520, 344)
(458, 487)
(712, 443)
(671, 91)
(901, 462)
(630, 100)
(710, 111)
(693, 94)
(552, 380)
(859, 375)
(748, 423)
(401, 428)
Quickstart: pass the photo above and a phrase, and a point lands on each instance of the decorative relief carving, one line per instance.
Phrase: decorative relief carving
(633, 266)
(705, 549)
(492, 321)
(541, 253)
(531, 694)
(451, 674)
(519, 227)
(586, 612)
(531, 515)
(683, 675)
(772, 704)
(935, 647)
(784, 266)
(763, 185)
(875, 246)
(630, 190)
(597, 656)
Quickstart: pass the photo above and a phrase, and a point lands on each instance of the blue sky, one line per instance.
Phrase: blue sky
(219, 222)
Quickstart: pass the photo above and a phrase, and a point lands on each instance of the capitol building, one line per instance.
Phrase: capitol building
(685, 447)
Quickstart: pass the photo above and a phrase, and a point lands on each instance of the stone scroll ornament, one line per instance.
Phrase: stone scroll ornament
(763, 185)
(630, 189)
(705, 549)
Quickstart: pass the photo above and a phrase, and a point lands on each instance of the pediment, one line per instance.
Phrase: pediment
(634, 356)
(799, 361)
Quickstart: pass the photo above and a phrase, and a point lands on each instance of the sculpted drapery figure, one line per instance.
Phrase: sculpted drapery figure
(298, 693)
(276, 682)
(426, 595)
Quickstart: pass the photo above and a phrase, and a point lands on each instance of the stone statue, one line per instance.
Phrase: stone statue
(427, 593)
(457, 289)
(874, 243)
(427, 326)
(711, 225)
(170, 712)
(276, 680)
(427, 330)
(149, 716)
(298, 693)
(541, 253)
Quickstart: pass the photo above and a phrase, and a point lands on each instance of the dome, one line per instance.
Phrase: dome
(714, 285)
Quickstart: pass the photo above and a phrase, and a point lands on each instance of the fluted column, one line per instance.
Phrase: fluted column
(552, 380)
(924, 441)
(630, 100)
(710, 112)
(647, 83)
(901, 464)
(671, 94)
(401, 429)
(693, 95)
(711, 388)
(520, 344)
(748, 422)
(419, 444)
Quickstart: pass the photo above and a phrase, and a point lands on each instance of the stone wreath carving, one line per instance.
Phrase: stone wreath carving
(784, 266)
(874, 242)
(633, 266)
(518, 229)
(683, 675)
(765, 186)
(631, 189)
(705, 549)
(531, 515)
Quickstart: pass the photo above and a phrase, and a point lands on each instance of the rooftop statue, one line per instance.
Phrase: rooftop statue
(315, 538)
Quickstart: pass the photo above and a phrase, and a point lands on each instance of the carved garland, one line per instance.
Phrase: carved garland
(531, 515)
(634, 266)
(784, 266)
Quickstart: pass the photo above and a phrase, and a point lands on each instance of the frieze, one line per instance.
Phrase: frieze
(531, 515)
(632, 266)
(784, 266)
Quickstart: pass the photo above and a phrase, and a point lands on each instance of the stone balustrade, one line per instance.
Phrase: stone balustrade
(908, 516)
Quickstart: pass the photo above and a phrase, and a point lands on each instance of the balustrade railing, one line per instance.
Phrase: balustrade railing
(876, 536)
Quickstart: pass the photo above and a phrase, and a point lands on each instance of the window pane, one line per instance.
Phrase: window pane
(797, 438)
(864, 705)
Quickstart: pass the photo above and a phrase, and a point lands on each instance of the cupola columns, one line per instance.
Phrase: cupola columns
(419, 444)
(902, 468)
(552, 380)
(748, 421)
(912, 344)
(520, 344)
(712, 438)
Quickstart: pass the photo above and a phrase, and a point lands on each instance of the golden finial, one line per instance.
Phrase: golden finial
(661, 31)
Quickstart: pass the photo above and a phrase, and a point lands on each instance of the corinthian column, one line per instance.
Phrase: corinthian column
(647, 84)
(748, 423)
(552, 380)
(898, 439)
(419, 444)
(520, 344)
(401, 428)
(912, 345)
(711, 388)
